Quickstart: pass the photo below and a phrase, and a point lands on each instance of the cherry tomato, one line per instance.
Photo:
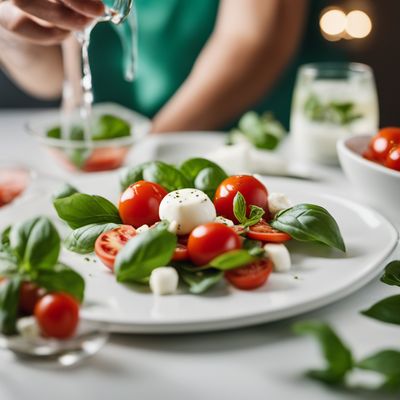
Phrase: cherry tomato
(29, 294)
(57, 315)
(251, 276)
(12, 183)
(108, 244)
(254, 192)
(393, 158)
(210, 240)
(381, 144)
(140, 203)
(181, 253)
(264, 232)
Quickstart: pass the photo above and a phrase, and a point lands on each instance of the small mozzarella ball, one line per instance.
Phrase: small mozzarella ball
(28, 327)
(279, 255)
(278, 202)
(187, 208)
(224, 221)
(142, 229)
(164, 280)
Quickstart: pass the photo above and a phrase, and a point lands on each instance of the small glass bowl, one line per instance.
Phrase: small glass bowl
(89, 156)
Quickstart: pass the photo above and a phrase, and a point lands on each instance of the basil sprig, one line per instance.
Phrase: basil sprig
(310, 223)
(240, 211)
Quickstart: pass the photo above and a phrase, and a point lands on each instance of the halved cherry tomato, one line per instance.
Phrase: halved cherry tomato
(57, 315)
(381, 144)
(140, 203)
(181, 253)
(210, 240)
(108, 244)
(254, 192)
(266, 233)
(251, 276)
(393, 158)
(29, 294)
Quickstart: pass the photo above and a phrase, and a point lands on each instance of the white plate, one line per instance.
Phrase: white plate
(319, 277)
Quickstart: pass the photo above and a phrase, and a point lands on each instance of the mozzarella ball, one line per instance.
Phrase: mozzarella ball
(279, 255)
(278, 202)
(164, 280)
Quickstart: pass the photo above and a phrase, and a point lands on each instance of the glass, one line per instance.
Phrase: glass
(117, 10)
(331, 101)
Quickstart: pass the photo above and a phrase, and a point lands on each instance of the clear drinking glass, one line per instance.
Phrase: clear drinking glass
(117, 10)
(331, 101)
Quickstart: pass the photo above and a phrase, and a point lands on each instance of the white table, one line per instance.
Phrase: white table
(263, 362)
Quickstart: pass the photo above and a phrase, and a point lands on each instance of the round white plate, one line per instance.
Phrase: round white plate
(320, 276)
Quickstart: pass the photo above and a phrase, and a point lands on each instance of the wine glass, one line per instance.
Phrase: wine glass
(117, 10)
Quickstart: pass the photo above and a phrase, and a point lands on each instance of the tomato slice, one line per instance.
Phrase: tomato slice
(239, 229)
(181, 253)
(266, 233)
(108, 244)
(251, 276)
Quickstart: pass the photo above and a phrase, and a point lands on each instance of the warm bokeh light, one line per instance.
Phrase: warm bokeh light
(358, 24)
(333, 22)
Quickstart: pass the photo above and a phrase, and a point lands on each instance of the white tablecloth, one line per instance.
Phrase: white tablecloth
(263, 362)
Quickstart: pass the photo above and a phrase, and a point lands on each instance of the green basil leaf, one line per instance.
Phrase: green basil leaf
(337, 355)
(62, 279)
(200, 281)
(165, 175)
(256, 213)
(9, 299)
(391, 275)
(308, 222)
(64, 190)
(131, 175)
(192, 167)
(36, 243)
(82, 209)
(232, 259)
(240, 208)
(5, 237)
(110, 127)
(143, 253)
(208, 180)
(386, 362)
(8, 262)
(250, 244)
(82, 240)
(386, 310)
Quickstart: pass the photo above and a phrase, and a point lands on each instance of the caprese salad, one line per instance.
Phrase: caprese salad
(193, 224)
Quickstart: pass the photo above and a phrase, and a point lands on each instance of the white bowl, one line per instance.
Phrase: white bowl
(375, 184)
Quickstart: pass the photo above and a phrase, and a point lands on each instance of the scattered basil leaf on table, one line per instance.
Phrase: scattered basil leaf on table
(391, 275)
(386, 310)
(143, 253)
(36, 243)
(82, 240)
(82, 209)
(9, 298)
(63, 191)
(200, 281)
(110, 127)
(338, 357)
(240, 211)
(310, 223)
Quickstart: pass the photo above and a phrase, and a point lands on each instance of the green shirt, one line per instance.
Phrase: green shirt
(171, 34)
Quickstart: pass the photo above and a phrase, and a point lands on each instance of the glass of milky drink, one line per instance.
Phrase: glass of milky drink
(331, 101)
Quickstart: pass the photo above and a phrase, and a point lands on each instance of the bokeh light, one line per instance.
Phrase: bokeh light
(358, 24)
(333, 22)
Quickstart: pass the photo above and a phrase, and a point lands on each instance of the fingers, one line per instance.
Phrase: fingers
(90, 8)
(16, 22)
(54, 13)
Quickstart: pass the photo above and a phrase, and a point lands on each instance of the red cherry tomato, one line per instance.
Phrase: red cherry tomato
(381, 144)
(29, 294)
(393, 158)
(108, 244)
(264, 232)
(181, 253)
(57, 315)
(210, 240)
(251, 276)
(254, 192)
(140, 203)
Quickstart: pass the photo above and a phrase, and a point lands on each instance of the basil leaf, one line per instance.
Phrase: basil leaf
(8, 262)
(391, 275)
(62, 279)
(386, 310)
(337, 355)
(256, 213)
(192, 167)
(9, 299)
(208, 180)
(200, 281)
(131, 175)
(232, 259)
(240, 211)
(250, 244)
(386, 362)
(110, 127)
(36, 243)
(309, 222)
(64, 191)
(165, 175)
(143, 253)
(82, 240)
(82, 209)
(5, 237)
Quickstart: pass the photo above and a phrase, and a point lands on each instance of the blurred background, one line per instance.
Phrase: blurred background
(370, 36)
